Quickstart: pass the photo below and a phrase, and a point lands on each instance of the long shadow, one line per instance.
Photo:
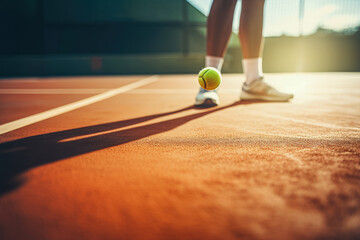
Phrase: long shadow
(21, 155)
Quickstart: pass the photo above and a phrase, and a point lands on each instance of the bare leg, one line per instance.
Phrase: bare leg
(250, 33)
(219, 27)
(251, 26)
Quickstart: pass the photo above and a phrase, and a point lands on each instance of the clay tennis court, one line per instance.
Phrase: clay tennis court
(80, 160)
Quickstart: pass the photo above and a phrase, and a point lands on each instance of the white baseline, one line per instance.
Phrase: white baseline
(7, 127)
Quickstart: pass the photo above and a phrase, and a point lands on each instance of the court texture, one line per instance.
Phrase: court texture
(130, 157)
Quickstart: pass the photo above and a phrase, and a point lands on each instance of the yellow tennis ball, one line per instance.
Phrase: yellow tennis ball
(209, 78)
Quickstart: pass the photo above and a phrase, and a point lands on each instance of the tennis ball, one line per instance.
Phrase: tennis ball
(209, 78)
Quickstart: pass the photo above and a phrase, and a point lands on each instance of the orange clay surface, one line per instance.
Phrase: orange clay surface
(146, 164)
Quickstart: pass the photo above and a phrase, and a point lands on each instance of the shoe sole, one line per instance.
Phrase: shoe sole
(208, 102)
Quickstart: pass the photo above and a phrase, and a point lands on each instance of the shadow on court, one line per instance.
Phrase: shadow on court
(24, 154)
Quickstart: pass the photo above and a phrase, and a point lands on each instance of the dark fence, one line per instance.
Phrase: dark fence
(66, 37)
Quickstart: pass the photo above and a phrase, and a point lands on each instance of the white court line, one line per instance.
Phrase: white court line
(7, 127)
(149, 91)
(36, 91)
(135, 91)
(99, 90)
(178, 91)
(52, 91)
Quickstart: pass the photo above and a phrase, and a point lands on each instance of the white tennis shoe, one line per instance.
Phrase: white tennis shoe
(259, 90)
(207, 98)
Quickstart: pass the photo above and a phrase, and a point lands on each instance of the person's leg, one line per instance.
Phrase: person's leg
(219, 28)
(250, 34)
(251, 38)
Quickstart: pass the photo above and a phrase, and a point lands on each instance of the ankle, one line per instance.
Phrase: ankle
(252, 69)
(215, 62)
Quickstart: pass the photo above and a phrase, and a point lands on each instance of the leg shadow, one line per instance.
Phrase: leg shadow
(24, 154)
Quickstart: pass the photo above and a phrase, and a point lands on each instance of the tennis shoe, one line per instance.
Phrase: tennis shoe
(261, 91)
(207, 98)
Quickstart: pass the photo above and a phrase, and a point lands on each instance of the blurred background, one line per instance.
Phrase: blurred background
(100, 37)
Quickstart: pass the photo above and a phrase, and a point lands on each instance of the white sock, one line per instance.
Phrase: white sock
(215, 62)
(252, 69)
